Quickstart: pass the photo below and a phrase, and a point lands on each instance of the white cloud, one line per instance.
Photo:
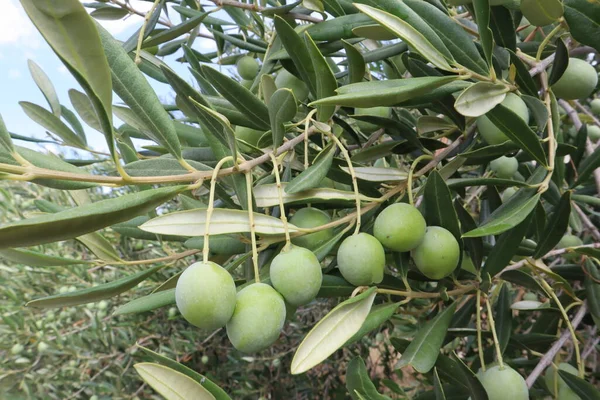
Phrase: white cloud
(14, 73)
(16, 28)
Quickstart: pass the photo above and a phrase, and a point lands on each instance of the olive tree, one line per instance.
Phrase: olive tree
(433, 158)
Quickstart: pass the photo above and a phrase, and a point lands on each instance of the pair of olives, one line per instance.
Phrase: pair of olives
(400, 227)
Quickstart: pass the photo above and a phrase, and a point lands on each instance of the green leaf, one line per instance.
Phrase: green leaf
(518, 131)
(583, 18)
(523, 79)
(84, 219)
(359, 383)
(193, 223)
(582, 388)
(335, 286)
(556, 227)
(474, 245)
(296, 48)
(356, 63)
(373, 32)
(503, 27)
(147, 303)
(561, 61)
(503, 318)
(438, 206)
(408, 34)
(220, 127)
(588, 166)
(331, 332)
(505, 248)
(45, 85)
(539, 111)
(201, 379)
(246, 102)
(480, 98)
(282, 108)
(459, 43)
(172, 385)
(85, 109)
(592, 289)
(131, 86)
(175, 31)
(325, 80)
(72, 119)
(5, 139)
(109, 13)
(377, 174)
(268, 196)
(73, 36)
(52, 123)
(437, 386)
(454, 370)
(313, 175)
(384, 93)
(95, 293)
(424, 349)
(35, 259)
(378, 315)
(482, 16)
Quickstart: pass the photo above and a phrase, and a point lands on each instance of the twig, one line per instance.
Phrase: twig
(552, 253)
(546, 360)
(255, 7)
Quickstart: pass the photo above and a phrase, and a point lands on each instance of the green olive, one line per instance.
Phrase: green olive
(490, 132)
(504, 167)
(247, 67)
(258, 318)
(361, 259)
(508, 193)
(593, 133)
(367, 127)
(569, 241)
(223, 245)
(595, 106)
(400, 227)
(530, 297)
(205, 295)
(540, 12)
(310, 217)
(552, 373)
(296, 275)
(17, 349)
(438, 254)
(284, 79)
(566, 393)
(502, 384)
(577, 82)
(247, 83)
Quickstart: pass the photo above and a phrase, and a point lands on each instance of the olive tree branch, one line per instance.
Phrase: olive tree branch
(257, 8)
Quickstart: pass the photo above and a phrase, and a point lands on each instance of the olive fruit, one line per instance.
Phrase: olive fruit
(296, 275)
(247, 83)
(503, 383)
(438, 254)
(566, 393)
(205, 295)
(367, 127)
(400, 227)
(508, 193)
(504, 167)
(490, 132)
(569, 241)
(578, 80)
(248, 135)
(17, 349)
(247, 67)
(542, 13)
(530, 297)
(258, 318)
(552, 373)
(223, 245)
(310, 217)
(593, 133)
(284, 79)
(361, 259)
(595, 106)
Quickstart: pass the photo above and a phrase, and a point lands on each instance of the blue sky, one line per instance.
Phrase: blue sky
(20, 41)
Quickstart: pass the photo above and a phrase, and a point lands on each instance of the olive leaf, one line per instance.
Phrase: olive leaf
(171, 384)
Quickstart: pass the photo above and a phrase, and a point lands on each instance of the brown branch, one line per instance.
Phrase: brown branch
(256, 8)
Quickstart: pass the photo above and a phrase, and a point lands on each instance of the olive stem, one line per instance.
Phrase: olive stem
(138, 59)
(551, 139)
(209, 210)
(411, 172)
(494, 335)
(548, 289)
(426, 295)
(281, 206)
(479, 339)
(545, 42)
(252, 227)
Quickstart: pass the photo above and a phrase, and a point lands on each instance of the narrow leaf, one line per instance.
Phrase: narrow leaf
(482, 15)
(480, 98)
(505, 248)
(556, 226)
(356, 63)
(359, 383)
(5, 139)
(85, 109)
(582, 388)
(282, 108)
(45, 85)
(170, 384)
(438, 206)
(35, 259)
(325, 80)
(313, 175)
(147, 303)
(52, 123)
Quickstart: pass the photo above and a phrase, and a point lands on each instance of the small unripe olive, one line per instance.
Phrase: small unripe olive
(172, 312)
(102, 305)
(400, 227)
(284, 79)
(437, 255)
(247, 83)
(552, 374)
(530, 297)
(247, 67)
(502, 384)
(508, 193)
(258, 318)
(42, 347)
(296, 275)
(490, 132)
(361, 259)
(593, 133)
(205, 295)
(204, 359)
(595, 106)
(504, 167)
(569, 241)
(542, 13)
(310, 217)
(578, 80)
(249, 135)
(367, 127)
(17, 349)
